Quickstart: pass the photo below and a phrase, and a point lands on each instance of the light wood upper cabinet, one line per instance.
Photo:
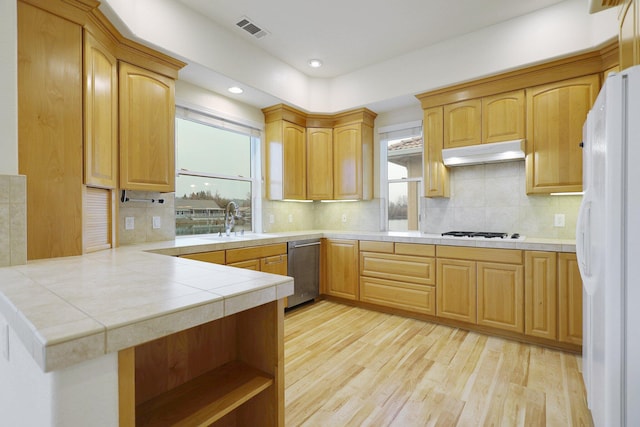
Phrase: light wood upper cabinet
(340, 268)
(319, 163)
(629, 35)
(569, 299)
(100, 114)
(353, 162)
(50, 131)
(503, 117)
(462, 123)
(540, 296)
(147, 117)
(436, 175)
(555, 115)
(286, 161)
(501, 296)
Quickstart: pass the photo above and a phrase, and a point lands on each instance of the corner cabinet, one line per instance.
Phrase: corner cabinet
(318, 157)
(319, 163)
(147, 118)
(353, 162)
(555, 115)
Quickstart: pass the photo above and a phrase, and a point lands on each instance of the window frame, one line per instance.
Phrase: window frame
(255, 138)
(390, 133)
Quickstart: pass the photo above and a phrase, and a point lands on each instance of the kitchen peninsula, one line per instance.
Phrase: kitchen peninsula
(73, 334)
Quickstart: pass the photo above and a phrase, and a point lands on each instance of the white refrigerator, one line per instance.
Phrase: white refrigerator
(608, 250)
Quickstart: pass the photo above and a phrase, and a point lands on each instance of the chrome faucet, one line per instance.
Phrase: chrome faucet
(229, 220)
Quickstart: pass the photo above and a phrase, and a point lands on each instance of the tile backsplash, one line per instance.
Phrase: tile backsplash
(297, 216)
(142, 214)
(493, 198)
(13, 220)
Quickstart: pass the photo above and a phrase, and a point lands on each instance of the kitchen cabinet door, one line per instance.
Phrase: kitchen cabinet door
(629, 35)
(319, 164)
(569, 299)
(436, 175)
(214, 257)
(50, 131)
(540, 295)
(555, 115)
(503, 117)
(353, 162)
(147, 117)
(462, 123)
(501, 296)
(274, 264)
(100, 114)
(340, 268)
(286, 161)
(456, 290)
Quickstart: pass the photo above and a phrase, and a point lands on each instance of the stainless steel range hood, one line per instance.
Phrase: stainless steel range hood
(496, 152)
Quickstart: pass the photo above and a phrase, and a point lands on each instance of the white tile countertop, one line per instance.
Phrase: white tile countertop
(67, 310)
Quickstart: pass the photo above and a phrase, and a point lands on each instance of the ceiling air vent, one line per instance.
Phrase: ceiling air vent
(251, 28)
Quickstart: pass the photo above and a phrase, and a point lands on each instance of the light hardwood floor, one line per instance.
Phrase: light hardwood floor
(347, 366)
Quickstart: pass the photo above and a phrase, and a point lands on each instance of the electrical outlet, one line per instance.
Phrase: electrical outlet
(272, 219)
(344, 217)
(558, 220)
(290, 217)
(156, 222)
(129, 223)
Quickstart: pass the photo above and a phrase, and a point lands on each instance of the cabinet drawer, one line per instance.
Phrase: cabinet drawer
(369, 246)
(403, 268)
(509, 256)
(274, 264)
(252, 264)
(415, 249)
(215, 257)
(243, 254)
(405, 296)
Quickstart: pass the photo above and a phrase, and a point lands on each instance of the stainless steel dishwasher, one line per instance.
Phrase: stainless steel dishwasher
(304, 266)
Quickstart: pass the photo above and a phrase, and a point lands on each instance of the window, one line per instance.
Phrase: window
(402, 160)
(216, 164)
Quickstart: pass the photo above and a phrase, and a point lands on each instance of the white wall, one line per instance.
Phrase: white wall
(82, 395)
(8, 88)
(553, 32)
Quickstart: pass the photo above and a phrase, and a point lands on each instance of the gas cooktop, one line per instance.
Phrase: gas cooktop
(485, 234)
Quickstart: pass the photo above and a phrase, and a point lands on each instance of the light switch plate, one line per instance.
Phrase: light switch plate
(129, 223)
(558, 220)
(272, 219)
(344, 217)
(290, 217)
(156, 222)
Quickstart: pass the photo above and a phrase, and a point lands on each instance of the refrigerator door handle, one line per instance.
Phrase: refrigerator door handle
(583, 246)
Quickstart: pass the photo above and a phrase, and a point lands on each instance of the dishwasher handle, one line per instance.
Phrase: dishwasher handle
(304, 245)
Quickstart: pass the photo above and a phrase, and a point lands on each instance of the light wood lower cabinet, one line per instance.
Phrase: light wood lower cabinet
(339, 268)
(399, 275)
(540, 297)
(481, 286)
(500, 296)
(569, 299)
(214, 257)
(265, 258)
(456, 290)
(229, 372)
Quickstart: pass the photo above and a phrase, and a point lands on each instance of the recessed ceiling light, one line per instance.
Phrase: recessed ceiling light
(235, 89)
(315, 63)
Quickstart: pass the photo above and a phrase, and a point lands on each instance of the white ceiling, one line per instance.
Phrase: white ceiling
(352, 34)
(376, 53)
